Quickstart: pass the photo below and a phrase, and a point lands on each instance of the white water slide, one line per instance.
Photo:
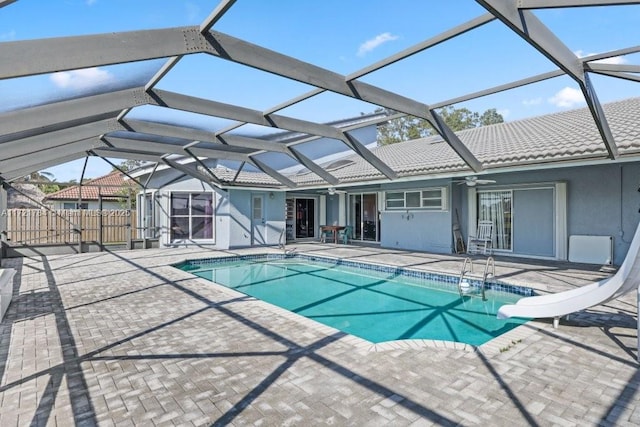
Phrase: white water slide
(626, 279)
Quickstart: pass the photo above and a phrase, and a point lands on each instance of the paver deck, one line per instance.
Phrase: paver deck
(124, 339)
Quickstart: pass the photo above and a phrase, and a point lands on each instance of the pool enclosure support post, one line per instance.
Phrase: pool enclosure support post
(141, 211)
(4, 222)
(142, 202)
(100, 224)
(79, 229)
(129, 233)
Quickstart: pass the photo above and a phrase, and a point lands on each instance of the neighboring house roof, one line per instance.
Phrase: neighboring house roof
(109, 186)
(16, 200)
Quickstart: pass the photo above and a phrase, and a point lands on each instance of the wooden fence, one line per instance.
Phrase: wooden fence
(41, 226)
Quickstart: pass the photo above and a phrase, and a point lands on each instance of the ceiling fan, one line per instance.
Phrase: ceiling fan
(331, 191)
(472, 181)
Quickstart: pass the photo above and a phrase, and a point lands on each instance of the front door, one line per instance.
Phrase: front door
(258, 221)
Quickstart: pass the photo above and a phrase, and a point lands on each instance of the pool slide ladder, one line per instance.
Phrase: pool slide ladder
(464, 287)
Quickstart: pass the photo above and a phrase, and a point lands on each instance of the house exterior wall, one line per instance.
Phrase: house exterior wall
(417, 229)
(275, 216)
(232, 212)
(240, 224)
(601, 200)
(163, 204)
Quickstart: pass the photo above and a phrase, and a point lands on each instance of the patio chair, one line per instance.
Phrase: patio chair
(345, 234)
(481, 242)
(325, 234)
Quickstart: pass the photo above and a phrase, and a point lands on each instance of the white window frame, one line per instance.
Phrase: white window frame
(190, 216)
(76, 205)
(424, 197)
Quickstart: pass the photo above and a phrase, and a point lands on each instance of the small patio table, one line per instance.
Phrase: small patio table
(332, 228)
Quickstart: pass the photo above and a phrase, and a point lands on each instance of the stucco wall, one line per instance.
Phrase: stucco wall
(418, 230)
(601, 200)
(239, 218)
(240, 224)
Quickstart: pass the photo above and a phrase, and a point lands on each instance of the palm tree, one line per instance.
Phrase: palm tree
(41, 178)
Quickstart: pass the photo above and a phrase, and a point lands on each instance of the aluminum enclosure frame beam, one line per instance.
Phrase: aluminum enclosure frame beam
(37, 164)
(247, 115)
(162, 149)
(194, 173)
(58, 129)
(524, 23)
(239, 51)
(95, 50)
(549, 4)
(57, 151)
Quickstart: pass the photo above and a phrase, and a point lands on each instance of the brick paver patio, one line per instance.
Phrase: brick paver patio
(125, 339)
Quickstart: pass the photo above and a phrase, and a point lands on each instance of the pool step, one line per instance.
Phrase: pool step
(464, 286)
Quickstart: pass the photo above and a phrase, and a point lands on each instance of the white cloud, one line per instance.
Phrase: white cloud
(91, 2)
(81, 79)
(9, 35)
(531, 102)
(505, 112)
(373, 43)
(612, 60)
(567, 98)
(193, 11)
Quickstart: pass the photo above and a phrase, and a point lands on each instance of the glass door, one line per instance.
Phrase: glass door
(495, 206)
(305, 218)
(363, 216)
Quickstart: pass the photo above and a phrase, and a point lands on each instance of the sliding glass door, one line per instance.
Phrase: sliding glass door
(363, 216)
(496, 206)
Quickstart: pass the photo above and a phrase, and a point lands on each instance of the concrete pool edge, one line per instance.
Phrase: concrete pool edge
(492, 283)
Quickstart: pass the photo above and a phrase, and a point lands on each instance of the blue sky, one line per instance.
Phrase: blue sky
(343, 36)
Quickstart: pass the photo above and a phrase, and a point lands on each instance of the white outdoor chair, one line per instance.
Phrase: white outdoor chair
(481, 242)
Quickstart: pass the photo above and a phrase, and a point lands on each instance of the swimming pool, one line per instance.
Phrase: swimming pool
(376, 303)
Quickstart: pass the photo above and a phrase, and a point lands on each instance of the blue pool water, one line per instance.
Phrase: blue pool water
(375, 305)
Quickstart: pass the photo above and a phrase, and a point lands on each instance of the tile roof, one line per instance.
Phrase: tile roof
(112, 187)
(565, 136)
